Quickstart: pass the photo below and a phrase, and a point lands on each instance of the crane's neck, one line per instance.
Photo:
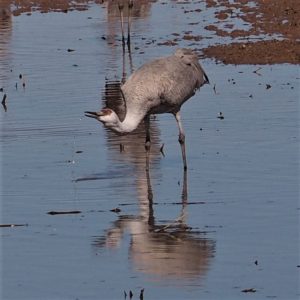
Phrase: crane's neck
(130, 123)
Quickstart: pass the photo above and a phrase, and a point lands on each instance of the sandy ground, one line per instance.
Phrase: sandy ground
(278, 20)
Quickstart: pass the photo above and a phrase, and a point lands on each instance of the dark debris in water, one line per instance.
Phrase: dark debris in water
(251, 290)
(100, 176)
(220, 116)
(161, 150)
(12, 225)
(53, 212)
(4, 102)
(116, 210)
(142, 294)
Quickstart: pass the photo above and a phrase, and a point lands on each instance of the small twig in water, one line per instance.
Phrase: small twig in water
(214, 88)
(4, 102)
(116, 210)
(162, 150)
(256, 71)
(142, 294)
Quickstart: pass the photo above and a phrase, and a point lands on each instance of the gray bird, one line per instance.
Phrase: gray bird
(159, 86)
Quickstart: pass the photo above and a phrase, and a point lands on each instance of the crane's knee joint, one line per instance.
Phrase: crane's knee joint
(147, 145)
(181, 138)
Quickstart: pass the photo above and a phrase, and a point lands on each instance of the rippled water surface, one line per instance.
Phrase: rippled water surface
(228, 225)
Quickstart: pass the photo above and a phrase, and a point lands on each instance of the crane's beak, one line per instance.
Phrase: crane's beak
(93, 114)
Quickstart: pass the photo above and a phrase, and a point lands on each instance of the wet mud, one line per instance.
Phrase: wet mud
(257, 53)
(267, 18)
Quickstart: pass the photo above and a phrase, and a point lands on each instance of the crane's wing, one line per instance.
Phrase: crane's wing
(164, 84)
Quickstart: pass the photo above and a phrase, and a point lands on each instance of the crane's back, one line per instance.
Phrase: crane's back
(164, 84)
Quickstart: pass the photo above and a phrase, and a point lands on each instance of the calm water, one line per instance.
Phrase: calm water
(179, 237)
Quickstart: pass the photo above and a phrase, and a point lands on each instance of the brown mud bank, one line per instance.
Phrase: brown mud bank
(260, 53)
(17, 7)
(277, 20)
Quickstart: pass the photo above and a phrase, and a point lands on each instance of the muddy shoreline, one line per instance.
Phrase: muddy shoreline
(278, 21)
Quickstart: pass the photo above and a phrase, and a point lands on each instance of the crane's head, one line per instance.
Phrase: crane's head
(106, 116)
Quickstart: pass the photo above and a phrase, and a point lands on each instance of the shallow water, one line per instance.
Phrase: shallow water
(178, 237)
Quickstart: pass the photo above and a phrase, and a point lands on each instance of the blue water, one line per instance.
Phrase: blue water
(242, 199)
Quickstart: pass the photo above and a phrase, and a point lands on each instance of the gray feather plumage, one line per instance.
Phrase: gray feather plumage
(160, 86)
(164, 84)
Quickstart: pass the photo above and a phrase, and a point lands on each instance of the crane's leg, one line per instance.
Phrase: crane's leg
(121, 7)
(130, 6)
(184, 194)
(148, 140)
(181, 138)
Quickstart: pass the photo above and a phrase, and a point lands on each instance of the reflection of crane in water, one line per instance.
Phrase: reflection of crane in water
(160, 86)
(121, 8)
(125, 10)
(172, 250)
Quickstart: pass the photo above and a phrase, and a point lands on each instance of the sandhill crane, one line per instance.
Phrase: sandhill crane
(160, 86)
